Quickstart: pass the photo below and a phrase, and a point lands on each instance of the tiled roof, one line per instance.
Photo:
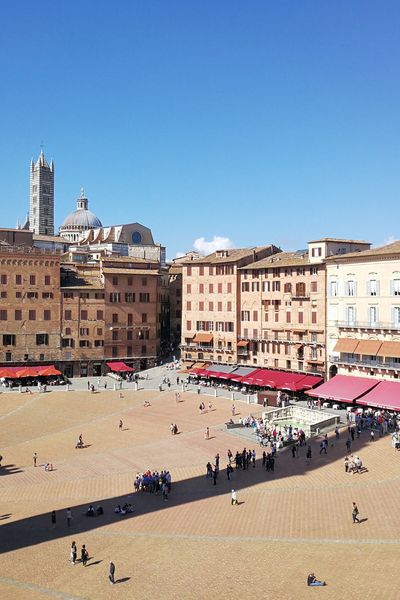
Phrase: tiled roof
(282, 259)
(340, 241)
(232, 255)
(382, 251)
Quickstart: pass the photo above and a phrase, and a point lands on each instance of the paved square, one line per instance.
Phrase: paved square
(196, 545)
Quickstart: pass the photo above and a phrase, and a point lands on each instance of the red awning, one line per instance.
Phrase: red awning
(309, 382)
(251, 378)
(385, 395)
(344, 388)
(119, 367)
(28, 371)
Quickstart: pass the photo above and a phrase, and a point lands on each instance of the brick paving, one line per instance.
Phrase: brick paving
(195, 545)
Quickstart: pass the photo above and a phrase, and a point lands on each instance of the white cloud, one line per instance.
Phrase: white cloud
(179, 254)
(390, 240)
(217, 243)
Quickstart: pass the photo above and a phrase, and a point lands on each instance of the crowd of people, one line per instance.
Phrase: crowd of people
(154, 482)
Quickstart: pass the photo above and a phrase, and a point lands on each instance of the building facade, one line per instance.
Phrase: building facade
(211, 301)
(41, 197)
(29, 305)
(363, 313)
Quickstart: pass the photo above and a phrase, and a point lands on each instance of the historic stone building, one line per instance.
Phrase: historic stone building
(29, 305)
(211, 301)
(363, 313)
(41, 197)
(79, 220)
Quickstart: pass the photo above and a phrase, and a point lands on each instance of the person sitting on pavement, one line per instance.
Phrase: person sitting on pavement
(90, 511)
(313, 581)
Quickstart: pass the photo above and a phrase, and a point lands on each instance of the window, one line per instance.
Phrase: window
(3, 279)
(67, 343)
(18, 315)
(395, 287)
(114, 335)
(144, 281)
(245, 286)
(32, 279)
(97, 343)
(300, 317)
(8, 340)
(333, 288)
(68, 331)
(129, 335)
(47, 315)
(130, 319)
(115, 280)
(18, 294)
(314, 286)
(129, 351)
(47, 280)
(67, 315)
(201, 306)
(211, 270)
(350, 287)
(115, 297)
(211, 306)
(68, 295)
(350, 315)
(84, 331)
(316, 251)
(220, 288)
(288, 317)
(188, 305)
(114, 351)
(314, 318)
(201, 288)
(300, 289)
(229, 306)
(372, 315)
(245, 315)
(99, 296)
(189, 288)
(396, 315)
(287, 288)
(32, 295)
(99, 315)
(129, 297)
(99, 331)
(3, 294)
(144, 317)
(115, 318)
(84, 315)
(84, 343)
(143, 349)
(276, 286)
(32, 315)
(211, 288)
(188, 325)
(144, 297)
(130, 281)
(18, 280)
(373, 287)
(42, 339)
(229, 288)
(201, 270)
(219, 326)
(219, 306)
(314, 271)
(265, 286)
(47, 295)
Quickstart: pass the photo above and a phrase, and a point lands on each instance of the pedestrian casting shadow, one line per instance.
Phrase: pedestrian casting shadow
(239, 503)
(96, 562)
(364, 520)
(122, 580)
(36, 529)
(125, 429)
(5, 516)
(9, 469)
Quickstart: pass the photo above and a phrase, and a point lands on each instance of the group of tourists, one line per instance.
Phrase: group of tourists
(154, 483)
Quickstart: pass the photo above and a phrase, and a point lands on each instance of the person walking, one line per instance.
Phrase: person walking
(69, 517)
(293, 451)
(234, 499)
(35, 457)
(355, 513)
(74, 553)
(111, 573)
(84, 555)
(308, 455)
(215, 475)
(372, 435)
(233, 410)
(120, 425)
(207, 433)
(53, 518)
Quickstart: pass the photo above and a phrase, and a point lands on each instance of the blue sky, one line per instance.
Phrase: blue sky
(256, 121)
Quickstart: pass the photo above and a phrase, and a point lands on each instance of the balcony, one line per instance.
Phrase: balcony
(295, 296)
(365, 362)
(378, 325)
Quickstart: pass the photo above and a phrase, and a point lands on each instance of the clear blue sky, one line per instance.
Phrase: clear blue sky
(253, 120)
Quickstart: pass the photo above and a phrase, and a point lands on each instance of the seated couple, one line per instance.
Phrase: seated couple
(127, 508)
(313, 581)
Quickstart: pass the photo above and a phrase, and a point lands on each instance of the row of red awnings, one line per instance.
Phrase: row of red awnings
(21, 372)
(119, 367)
(280, 380)
(363, 390)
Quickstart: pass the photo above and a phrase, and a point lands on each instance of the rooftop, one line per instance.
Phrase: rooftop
(379, 251)
(282, 259)
(231, 255)
(340, 241)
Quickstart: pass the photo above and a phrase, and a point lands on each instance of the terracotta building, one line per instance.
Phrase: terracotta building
(29, 305)
(110, 310)
(211, 303)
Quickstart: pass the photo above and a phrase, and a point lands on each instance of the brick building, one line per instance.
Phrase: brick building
(211, 301)
(29, 305)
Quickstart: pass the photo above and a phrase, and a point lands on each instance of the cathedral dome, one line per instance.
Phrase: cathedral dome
(82, 218)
